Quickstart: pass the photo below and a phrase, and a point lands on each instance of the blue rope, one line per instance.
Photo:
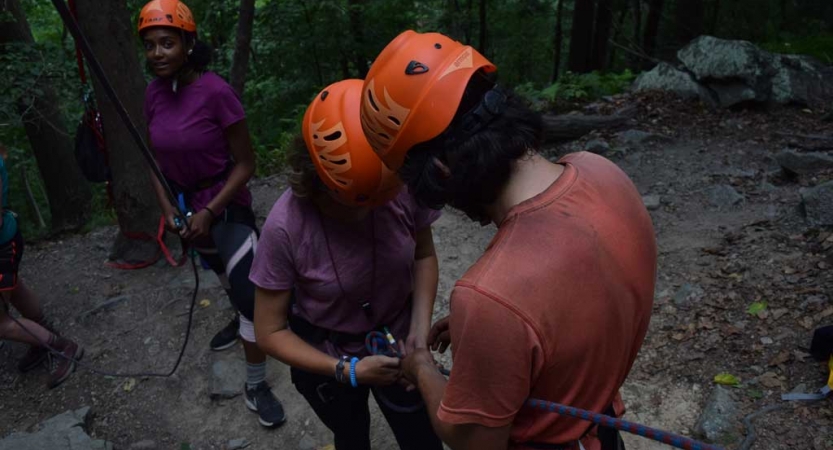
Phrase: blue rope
(377, 343)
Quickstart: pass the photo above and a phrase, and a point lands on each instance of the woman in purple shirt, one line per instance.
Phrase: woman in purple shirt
(345, 251)
(197, 128)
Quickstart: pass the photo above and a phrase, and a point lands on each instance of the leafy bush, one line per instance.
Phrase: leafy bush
(820, 47)
(576, 88)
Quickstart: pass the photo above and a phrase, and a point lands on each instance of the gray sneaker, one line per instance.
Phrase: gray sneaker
(262, 401)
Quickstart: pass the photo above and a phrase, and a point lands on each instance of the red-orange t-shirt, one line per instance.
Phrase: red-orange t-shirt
(556, 308)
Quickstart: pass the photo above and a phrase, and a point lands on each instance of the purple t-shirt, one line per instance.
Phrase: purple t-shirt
(187, 133)
(293, 252)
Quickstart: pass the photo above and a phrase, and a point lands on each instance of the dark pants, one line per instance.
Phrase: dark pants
(344, 410)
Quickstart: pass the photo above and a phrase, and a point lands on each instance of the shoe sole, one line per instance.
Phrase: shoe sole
(224, 346)
(253, 408)
(79, 353)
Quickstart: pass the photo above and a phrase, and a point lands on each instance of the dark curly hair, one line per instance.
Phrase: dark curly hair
(303, 179)
(479, 163)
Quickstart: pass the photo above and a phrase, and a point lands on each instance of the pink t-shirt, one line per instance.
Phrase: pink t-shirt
(187, 133)
(293, 252)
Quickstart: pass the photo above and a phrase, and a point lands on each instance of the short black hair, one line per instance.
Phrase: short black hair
(200, 57)
(479, 163)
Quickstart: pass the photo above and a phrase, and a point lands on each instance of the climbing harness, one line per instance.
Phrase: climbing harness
(84, 47)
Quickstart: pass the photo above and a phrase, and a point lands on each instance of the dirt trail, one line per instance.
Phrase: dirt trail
(729, 256)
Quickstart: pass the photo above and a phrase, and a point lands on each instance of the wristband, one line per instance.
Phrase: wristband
(353, 363)
(213, 216)
(340, 370)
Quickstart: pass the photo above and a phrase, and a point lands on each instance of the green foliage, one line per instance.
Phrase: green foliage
(819, 46)
(572, 88)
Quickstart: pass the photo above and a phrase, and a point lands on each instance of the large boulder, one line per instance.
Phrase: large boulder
(62, 432)
(665, 77)
(818, 204)
(727, 73)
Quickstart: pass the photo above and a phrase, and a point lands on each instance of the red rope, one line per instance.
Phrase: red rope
(163, 250)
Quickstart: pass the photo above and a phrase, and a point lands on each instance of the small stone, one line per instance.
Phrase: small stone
(227, 378)
(147, 444)
(723, 196)
(687, 294)
(717, 421)
(818, 204)
(307, 443)
(237, 444)
(597, 146)
(803, 162)
(766, 340)
(652, 202)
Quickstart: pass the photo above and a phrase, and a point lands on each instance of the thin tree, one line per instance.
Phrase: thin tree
(652, 26)
(111, 34)
(581, 37)
(354, 13)
(558, 37)
(242, 45)
(66, 188)
(483, 33)
(601, 35)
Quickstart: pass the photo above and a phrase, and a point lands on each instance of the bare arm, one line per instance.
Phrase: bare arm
(240, 145)
(426, 275)
(276, 339)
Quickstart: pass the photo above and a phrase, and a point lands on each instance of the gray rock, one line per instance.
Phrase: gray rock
(723, 196)
(733, 93)
(803, 163)
(227, 378)
(237, 444)
(639, 138)
(147, 444)
(711, 59)
(800, 79)
(652, 201)
(62, 432)
(307, 443)
(597, 146)
(817, 203)
(665, 77)
(719, 420)
(687, 294)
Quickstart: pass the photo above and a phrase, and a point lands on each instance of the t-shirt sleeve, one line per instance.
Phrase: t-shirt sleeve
(227, 106)
(497, 357)
(273, 266)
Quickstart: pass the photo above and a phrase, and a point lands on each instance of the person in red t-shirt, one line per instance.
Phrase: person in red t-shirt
(558, 305)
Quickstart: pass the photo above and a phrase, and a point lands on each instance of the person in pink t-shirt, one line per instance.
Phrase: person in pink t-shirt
(346, 252)
(197, 129)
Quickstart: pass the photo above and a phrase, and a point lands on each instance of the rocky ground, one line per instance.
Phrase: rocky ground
(743, 280)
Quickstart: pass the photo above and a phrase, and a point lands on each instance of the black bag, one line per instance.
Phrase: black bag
(90, 150)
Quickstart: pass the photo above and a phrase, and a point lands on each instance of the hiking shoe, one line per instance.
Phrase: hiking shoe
(32, 358)
(226, 337)
(262, 401)
(63, 364)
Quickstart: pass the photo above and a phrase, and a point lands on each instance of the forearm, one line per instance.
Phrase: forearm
(239, 176)
(426, 276)
(288, 348)
(431, 386)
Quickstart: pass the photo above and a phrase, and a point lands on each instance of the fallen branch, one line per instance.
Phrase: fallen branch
(569, 127)
(809, 137)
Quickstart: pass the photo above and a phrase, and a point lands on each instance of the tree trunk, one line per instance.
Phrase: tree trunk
(652, 26)
(110, 32)
(714, 22)
(66, 188)
(636, 62)
(356, 29)
(569, 127)
(314, 45)
(581, 37)
(601, 37)
(242, 45)
(483, 34)
(557, 41)
(690, 15)
(617, 32)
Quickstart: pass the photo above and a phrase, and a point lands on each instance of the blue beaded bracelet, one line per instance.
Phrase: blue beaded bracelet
(353, 362)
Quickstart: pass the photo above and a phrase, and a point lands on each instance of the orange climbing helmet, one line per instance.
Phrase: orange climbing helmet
(413, 90)
(167, 13)
(340, 152)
